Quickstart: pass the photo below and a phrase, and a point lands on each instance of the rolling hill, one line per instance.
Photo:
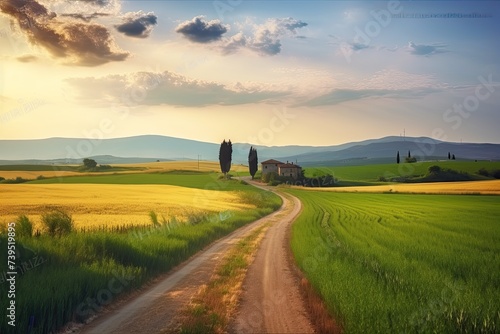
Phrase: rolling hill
(153, 147)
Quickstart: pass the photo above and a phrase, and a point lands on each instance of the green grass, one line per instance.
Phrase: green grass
(199, 180)
(72, 276)
(395, 263)
(371, 173)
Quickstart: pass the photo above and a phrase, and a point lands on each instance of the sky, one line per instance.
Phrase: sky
(263, 72)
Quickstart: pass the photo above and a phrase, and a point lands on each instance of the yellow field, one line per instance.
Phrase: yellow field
(30, 175)
(149, 167)
(204, 166)
(469, 187)
(94, 205)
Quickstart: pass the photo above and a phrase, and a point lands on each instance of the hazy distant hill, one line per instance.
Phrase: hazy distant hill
(152, 148)
(386, 150)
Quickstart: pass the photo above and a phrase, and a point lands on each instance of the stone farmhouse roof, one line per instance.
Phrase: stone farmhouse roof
(272, 161)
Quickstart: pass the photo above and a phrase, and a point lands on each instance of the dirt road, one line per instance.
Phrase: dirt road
(271, 301)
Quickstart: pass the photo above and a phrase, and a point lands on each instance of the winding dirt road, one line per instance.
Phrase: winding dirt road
(271, 302)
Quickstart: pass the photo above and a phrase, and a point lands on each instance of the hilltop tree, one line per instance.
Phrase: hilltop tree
(409, 154)
(253, 162)
(449, 156)
(89, 163)
(397, 158)
(453, 157)
(225, 156)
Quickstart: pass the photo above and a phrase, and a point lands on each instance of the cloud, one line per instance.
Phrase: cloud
(426, 50)
(339, 96)
(358, 46)
(83, 17)
(98, 2)
(266, 38)
(201, 31)
(77, 43)
(166, 88)
(137, 24)
(27, 58)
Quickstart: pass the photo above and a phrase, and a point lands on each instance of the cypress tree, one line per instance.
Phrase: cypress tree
(225, 156)
(252, 161)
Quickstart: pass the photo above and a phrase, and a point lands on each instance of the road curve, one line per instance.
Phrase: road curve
(156, 309)
(271, 301)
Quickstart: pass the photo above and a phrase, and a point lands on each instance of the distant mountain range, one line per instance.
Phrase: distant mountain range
(152, 148)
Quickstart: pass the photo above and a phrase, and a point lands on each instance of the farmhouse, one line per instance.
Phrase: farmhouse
(282, 169)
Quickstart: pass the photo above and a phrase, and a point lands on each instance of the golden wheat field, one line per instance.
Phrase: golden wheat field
(203, 166)
(149, 167)
(491, 187)
(30, 175)
(94, 205)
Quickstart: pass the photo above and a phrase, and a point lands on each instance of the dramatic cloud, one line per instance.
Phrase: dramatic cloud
(201, 31)
(266, 37)
(426, 50)
(77, 43)
(146, 88)
(137, 24)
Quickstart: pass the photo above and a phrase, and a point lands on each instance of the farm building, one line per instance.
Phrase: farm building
(282, 169)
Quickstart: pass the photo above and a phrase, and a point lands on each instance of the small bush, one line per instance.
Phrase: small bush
(57, 223)
(434, 170)
(483, 172)
(382, 179)
(496, 174)
(15, 181)
(24, 227)
(40, 177)
(2, 179)
(411, 159)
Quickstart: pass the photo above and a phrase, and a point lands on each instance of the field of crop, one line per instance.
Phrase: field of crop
(112, 205)
(371, 173)
(31, 172)
(73, 276)
(401, 263)
(488, 187)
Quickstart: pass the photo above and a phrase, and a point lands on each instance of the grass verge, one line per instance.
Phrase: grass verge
(212, 307)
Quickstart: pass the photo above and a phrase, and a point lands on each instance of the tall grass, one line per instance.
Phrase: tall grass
(73, 276)
(387, 263)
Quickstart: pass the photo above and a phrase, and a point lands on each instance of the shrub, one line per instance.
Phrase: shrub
(57, 223)
(382, 179)
(24, 227)
(15, 181)
(434, 170)
(496, 174)
(268, 177)
(483, 172)
(2, 178)
(411, 159)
